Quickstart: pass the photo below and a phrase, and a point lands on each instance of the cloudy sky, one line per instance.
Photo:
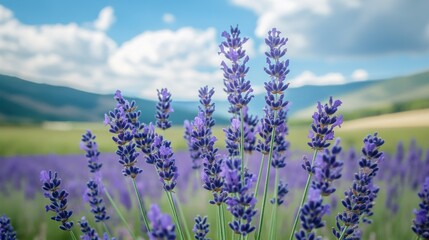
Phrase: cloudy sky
(140, 46)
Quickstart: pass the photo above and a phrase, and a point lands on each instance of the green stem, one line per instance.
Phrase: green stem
(259, 176)
(176, 217)
(222, 222)
(242, 143)
(343, 232)
(304, 196)
(267, 179)
(119, 213)
(182, 218)
(141, 206)
(219, 224)
(72, 235)
(106, 229)
(274, 211)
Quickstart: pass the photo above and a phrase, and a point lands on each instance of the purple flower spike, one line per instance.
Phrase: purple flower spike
(359, 199)
(162, 226)
(6, 230)
(282, 189)
(324, 122)
(89, 233)
(163, 109)
(58, 197)
(93, 195)
(124, 123)
(237, 87)
(89, 145)
(165, 163)
(327, 169)
(241, 202)
(421, 222)
(201, 228)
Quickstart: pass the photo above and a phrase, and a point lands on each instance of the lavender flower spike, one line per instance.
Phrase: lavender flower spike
(324, 122)
(421, 222)
(162, 226)
(359, 199)
(165, 163)
(58, 197)
(89, 145)
(163, 109)
(236, 87)
(89, 233)
(201, 228)
(93, 195)
(6, 230)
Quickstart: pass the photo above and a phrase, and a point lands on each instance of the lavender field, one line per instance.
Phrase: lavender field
(255, 177)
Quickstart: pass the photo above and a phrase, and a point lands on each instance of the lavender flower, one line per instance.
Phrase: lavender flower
(144, 138)
(89, 233)
(421, 222)
(163, 109)
(93, 195)
(359, 199)
(89, 145)
(237, 87)
(162, 226)
(123, 122)
(311, 215)
(193, 150)
(250, 123)
(201, 228)
(58, 197)
(327, 170)
(203, 142)
(232, 137)
(241, 202)
(324, 122)
(282, 190)
(165, 163)
(6, 230)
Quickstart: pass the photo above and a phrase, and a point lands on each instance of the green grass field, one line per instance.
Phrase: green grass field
(37, 139)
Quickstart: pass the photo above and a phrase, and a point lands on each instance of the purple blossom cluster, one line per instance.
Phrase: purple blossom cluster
(123, 122)
(162, 226)
(201, 228)
(163, 109)
(359, 199)
(237, 87)
(421, 221)
(6, 229)
(241, 201)
(324, 122)
(58, 198)
(165, 163)
(95, 200)
(90, 147)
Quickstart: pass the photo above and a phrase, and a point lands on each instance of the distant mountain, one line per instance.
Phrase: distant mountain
(25, 101)
(377, 96)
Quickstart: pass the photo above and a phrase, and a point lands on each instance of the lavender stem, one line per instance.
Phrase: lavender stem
(142, 209)
(274, 211)
(304, 196)
(119, 213)
(259, 176)
(176, 217)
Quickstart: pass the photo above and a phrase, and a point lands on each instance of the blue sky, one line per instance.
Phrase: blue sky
(139, 46)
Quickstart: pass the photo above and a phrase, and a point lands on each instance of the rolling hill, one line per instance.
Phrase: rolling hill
(25, 101)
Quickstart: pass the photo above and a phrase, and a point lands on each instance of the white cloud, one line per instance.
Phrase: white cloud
(309, 78)
(168, 18)
(105, 19)
(343, 27)
(360, 75)
(88, 59)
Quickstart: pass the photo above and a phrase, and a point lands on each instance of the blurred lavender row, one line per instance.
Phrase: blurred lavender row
(401, 170)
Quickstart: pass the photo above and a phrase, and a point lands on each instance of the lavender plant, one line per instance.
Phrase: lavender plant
(6, 229)
(163, 109)
(359, 199)
(320, 134)
(58, 198)
(421, 222)
(201, 228)
(162, 226)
